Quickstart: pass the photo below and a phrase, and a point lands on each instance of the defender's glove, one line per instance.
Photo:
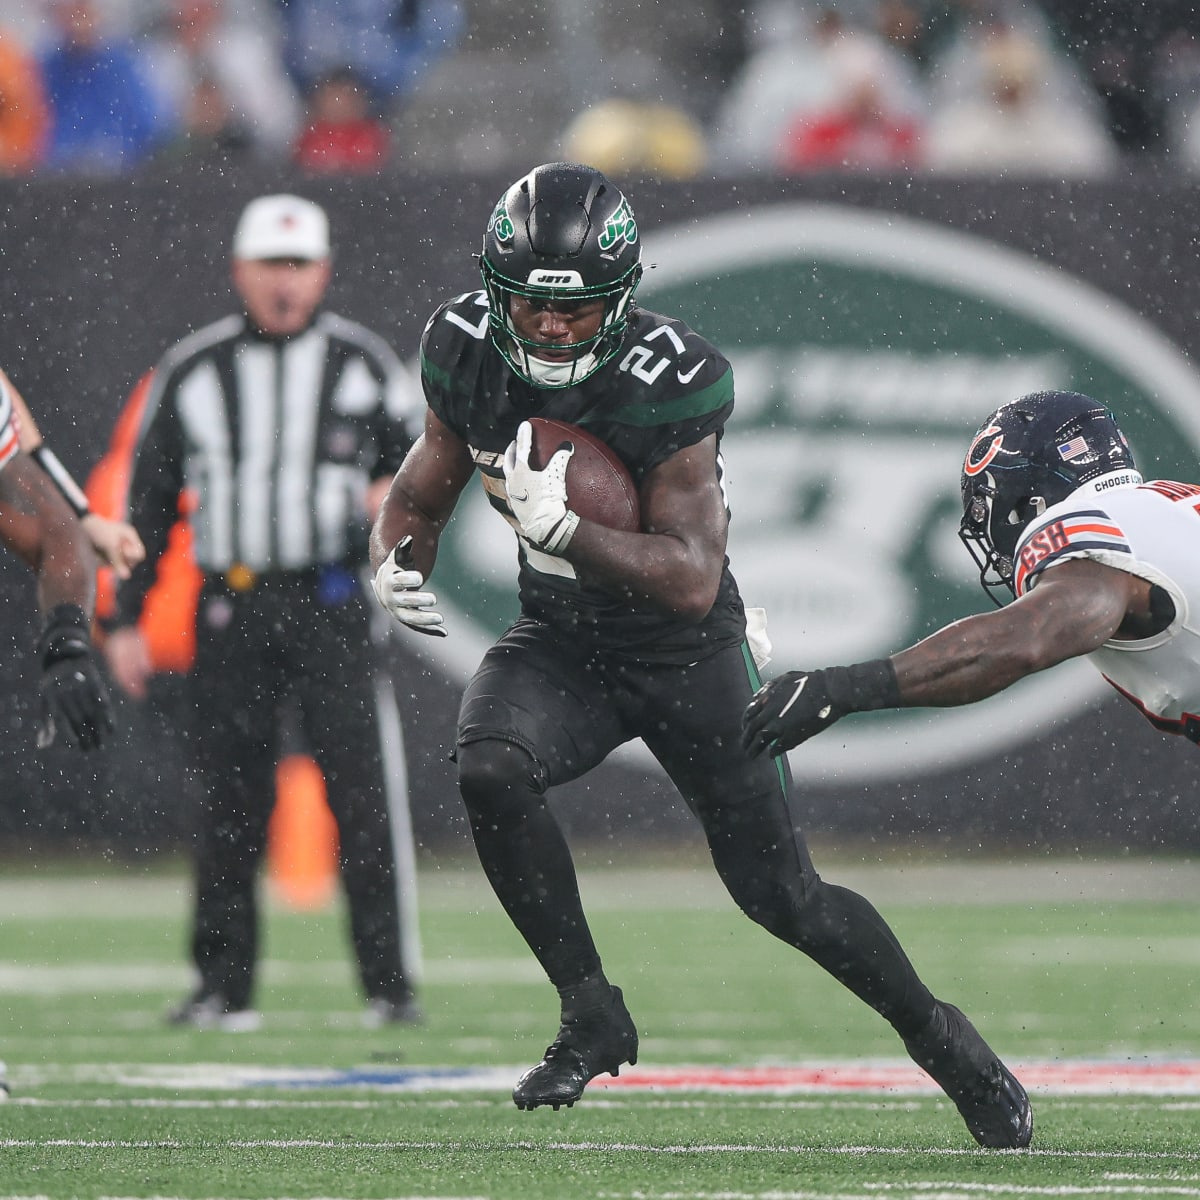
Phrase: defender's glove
(539, 498)
(74, 698)
(396, 583)
(791, 709)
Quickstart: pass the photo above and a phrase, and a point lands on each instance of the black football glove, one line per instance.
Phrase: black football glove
(796, 706)
(74, 698)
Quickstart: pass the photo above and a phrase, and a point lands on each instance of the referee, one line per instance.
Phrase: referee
(281, 428)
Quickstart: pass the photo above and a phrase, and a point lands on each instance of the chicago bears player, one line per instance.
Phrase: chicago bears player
(1101, 564)
(621, 635)
(39, 525)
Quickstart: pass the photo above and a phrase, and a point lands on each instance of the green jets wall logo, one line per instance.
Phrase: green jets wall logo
(620, 226)
(867, 349)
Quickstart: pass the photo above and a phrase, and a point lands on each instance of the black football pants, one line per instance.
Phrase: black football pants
(542, 711)
(286, 643)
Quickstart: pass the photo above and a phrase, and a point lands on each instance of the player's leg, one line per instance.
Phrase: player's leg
(760, 854)
(232, 733)
(347, 730)
(534, 716)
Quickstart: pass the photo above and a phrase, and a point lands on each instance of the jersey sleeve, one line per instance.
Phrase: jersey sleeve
(9, 441)
(677, 387)
(452, 348)
(1082, 533)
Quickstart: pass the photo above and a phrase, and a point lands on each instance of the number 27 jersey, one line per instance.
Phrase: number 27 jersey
(1151, 530)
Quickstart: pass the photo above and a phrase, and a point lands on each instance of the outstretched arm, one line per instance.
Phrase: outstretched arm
(1077, 606)
(116, 542)
(74, 698)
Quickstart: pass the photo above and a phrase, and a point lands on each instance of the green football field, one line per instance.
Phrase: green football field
(758, 1076)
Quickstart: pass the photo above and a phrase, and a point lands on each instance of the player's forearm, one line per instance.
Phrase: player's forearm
(66, 570)
(967, 661)
(655, 570)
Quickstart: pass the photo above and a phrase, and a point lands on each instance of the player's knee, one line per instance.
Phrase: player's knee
(496, 775)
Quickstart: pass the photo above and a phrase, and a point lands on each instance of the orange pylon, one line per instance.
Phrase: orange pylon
(302, 837)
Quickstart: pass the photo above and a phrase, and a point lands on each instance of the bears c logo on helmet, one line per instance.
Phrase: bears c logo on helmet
(973, 466)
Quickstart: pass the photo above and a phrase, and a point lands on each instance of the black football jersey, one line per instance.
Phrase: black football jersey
(665, 389)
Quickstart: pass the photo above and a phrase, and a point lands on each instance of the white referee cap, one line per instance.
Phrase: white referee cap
(282, 227)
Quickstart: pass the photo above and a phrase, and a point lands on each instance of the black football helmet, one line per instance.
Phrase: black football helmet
(1029, 454)
(563, 232)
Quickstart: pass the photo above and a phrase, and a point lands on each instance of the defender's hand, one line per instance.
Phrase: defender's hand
(787, 711)
(796, 706)
(74, 698)
(396, 583)
(538, 499)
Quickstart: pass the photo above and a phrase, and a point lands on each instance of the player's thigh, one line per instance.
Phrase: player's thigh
(536, 690)
(741, 801)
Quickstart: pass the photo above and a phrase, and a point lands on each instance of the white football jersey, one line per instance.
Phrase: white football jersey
(8, 427)
(1151, 530)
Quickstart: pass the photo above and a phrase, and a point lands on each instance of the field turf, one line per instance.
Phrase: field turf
(759, 1077)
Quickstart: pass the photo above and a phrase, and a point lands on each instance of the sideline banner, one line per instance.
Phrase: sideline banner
(871, 324)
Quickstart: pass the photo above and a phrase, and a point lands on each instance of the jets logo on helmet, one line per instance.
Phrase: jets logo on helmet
(620, 225)
(1029, 454)
(562, 233)
(501, 224)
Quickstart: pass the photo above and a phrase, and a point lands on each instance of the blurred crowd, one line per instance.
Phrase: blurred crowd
(1062, 88)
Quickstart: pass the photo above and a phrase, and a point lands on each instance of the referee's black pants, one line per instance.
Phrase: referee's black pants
(298, 639)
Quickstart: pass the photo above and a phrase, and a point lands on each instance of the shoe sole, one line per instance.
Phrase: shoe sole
(530, 1104)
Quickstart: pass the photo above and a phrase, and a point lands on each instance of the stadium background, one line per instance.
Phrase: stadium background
(99, 277)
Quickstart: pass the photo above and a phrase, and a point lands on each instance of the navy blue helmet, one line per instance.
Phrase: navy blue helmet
(1029, 454)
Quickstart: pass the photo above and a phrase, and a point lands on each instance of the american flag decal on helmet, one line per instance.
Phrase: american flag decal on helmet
(1075, 448)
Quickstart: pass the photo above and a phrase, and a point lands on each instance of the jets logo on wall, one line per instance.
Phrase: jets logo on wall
(866, 351)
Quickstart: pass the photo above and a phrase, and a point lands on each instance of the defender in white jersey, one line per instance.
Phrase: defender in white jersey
(1101, 564)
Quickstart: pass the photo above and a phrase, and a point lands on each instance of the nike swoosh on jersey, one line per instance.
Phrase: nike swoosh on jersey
(690, 374)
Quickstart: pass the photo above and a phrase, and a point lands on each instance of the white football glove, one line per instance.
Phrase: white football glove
(396, 583)
(538, 499)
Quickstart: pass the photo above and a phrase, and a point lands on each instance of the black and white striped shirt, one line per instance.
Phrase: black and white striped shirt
(276, 440)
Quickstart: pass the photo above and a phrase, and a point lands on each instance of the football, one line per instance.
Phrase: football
(599, 486)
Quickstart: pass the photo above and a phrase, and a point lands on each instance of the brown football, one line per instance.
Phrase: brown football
(599, 486)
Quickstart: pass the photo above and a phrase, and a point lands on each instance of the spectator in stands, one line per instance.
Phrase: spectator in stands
(24, 119)
(1017, 126)
(209, 131)
(105, 116)
(389, 43)
(859, 129)
(205, 56)
(623, 136)
(961, 66)
(805, 76)
(342, 135)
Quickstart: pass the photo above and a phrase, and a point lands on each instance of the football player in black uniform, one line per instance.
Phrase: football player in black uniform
(621, 635)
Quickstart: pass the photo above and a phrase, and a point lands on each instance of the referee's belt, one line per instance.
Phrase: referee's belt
(241, 578)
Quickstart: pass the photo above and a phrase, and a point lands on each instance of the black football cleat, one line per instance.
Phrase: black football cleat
(985, 1092)
(585, 1047)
